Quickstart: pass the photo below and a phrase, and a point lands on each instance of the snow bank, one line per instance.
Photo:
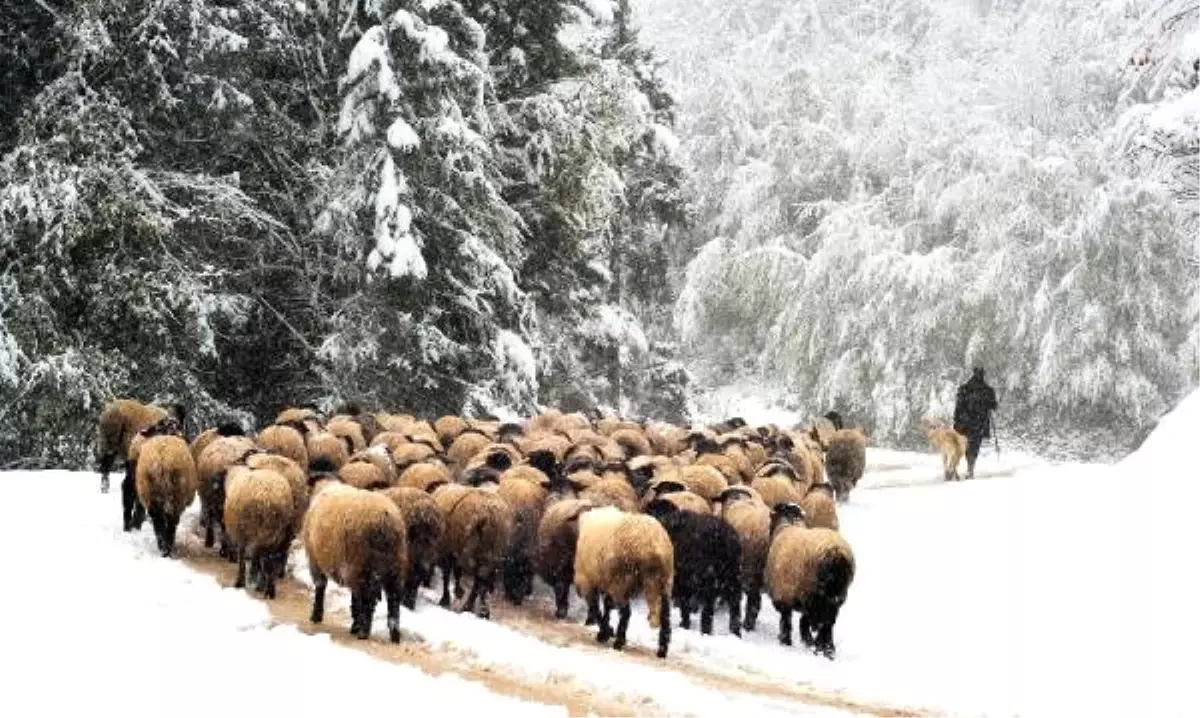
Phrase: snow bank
(1169, 448)
(103, 621)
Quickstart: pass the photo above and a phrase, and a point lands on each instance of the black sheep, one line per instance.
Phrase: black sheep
(708, 559)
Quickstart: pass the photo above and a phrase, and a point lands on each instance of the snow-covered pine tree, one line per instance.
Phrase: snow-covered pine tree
(434, 321)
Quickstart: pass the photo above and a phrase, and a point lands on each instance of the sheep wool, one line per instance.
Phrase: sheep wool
(479, 525)
(349, 431)
(296, 477)
(612, 491)
(465, 447)
(618, 554)
(285, 441)
(363, 475)
(808, 570)
(426, 529)
(425, 477)
(359, 539)
(259, 514)
(557, 534)
(744, 510)
(119, 422)
(820, 507)
(211, 469)
(323, 445)
(777, 489)
(166, 484)
(706, 481)
(526, 500)
(845, 460)
(708, 564)
(525, 472)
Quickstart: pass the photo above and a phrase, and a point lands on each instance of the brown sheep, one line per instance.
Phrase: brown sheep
(616, 555)
(363, 475)
(297, 479)
(525, 472)
(808, 570)
(526, 499)
(479, 528)
(294, 415)
(349, 431)
(777, 489)
(393, 440)
(557, 534)
(703, 480)
(285, 441)
(426, 477)
(744, 510)
(259, 513)
(411, 455)
(166, 484)
(612, 491)
(820, 507)
(845, 460)
(676, 493)
(426, 529)
(323, 445)
(381, 459)
(632, 442)
(465, 447)
(665, 440)
(448, 428)
(724, 464)
(119, 421)
(359, 539)
(211, 470)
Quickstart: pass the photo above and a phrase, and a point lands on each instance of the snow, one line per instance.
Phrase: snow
(1038, 589)
(602, 10)
(108, 619)
(402, 137)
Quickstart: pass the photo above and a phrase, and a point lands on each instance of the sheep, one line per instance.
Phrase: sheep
(612, 491)
(465, 447)
(349, 431)
(665, 440)
(448, 428)
(526, 499)
(617, 554)
(525, 472)
(479, 526)
(211, 468)
(259, 515)
(133, 512)
(678, 494)
(820, 507)
(426, 529)
(324, 445)
(284, 441)
(743, 509)
(359, 539)
(845, 460)
(206, 437)
(949, 443)
(304, 420)
(708, 564)
(166, 484)
(411, 455)
(370, 469)
(393, 440)
(632, 442)
(500, 457)
(119, 421)
(777, 489)
(703, 480)
(725, 465)
(426, 477)
(557, 534)
(808, 570)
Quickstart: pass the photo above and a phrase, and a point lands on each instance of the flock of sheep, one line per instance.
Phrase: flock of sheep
(685, 517)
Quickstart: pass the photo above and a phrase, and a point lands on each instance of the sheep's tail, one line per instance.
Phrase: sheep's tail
(834, 574)
(485, 542)
(382, 548)
(656, 585)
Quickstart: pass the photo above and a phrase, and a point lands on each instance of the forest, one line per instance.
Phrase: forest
(483, 206)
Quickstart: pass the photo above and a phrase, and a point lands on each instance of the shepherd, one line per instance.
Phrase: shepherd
(973, 415)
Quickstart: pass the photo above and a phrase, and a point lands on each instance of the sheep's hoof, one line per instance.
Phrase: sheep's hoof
(485, 613)
(785, 640)
(736, 630)
(661, 653)
(104, 485)
(445, 601)
(560, 613)
(619, 643)
(603, 634)
(748, 625)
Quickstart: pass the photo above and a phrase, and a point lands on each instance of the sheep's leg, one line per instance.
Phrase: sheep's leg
(753, 605)
(605, 631)
(469, 604)
(708, 606)
(370, 596)
(209, 539)
(129, 501)
(393, 589)
(785, 623)
(458, 587)
(240, 581)
(319, 582)
(664, 625)
(447, 567)
(356, 612)
(593, 606)
(270, 572)
(158, 522)
(410, 587)
(733, 597)
(172, 525)
(514, 583)
(106, 464)
(824, 642)
(684, 601)
(483, 587)
(622, 626)
(806, 629)
(562, 599)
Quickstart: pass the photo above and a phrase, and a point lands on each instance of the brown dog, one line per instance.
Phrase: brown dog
(949, 443)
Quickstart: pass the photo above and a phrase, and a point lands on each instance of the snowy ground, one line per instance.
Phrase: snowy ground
(1038, 590)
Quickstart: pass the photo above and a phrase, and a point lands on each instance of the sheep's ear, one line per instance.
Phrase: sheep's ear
(668, 486)
(435, 485)
(660, 507)
(733, 493)
(499, 460)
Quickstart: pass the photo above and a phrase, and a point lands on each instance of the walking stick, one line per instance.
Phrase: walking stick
(995, 435)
